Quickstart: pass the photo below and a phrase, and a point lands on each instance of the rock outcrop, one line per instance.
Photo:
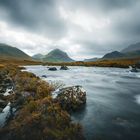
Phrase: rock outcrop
(64, 68)
(72, 98)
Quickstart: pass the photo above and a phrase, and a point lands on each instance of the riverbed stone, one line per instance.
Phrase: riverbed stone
(64, 68)
(72, 98)
(52, 68)
(134, 70)
(44, 76)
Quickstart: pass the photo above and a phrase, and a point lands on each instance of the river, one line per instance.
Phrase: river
(112, 111)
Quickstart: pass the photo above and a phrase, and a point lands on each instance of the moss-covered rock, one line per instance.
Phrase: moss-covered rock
(72, 98)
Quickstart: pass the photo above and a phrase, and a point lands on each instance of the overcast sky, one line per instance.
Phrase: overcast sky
(82, 28)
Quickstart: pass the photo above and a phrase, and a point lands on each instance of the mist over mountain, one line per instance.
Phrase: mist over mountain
(132, 48)
(91, 59)
(132, 51)
(38, 57)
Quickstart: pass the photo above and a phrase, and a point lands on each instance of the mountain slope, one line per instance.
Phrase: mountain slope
(132, 48)
(9, 52)
(57, 55)
(113, 55)
(38, 57)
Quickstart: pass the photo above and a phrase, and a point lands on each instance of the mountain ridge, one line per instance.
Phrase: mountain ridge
(132, 51)
(10, 52)
(132, 48)
(57, 55)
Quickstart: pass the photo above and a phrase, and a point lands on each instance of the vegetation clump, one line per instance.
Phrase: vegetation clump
(38, 115)
(72, 98)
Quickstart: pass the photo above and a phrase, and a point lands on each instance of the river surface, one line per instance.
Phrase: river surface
(112, 111)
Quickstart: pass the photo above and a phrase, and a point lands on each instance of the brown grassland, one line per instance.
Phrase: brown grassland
(38, 115)
(120, 63)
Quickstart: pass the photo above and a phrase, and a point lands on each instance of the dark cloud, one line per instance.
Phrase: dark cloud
(103, 6)
(41, 16)
(95, 27)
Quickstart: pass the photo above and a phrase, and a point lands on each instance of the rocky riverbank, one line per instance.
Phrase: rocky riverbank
(6, 89)
(36, 110)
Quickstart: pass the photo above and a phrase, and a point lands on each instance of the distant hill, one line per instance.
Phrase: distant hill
(132, 51)
(113, 55)
(132, 48)
(9, 52)
(38, 57)
(91, 59)
(57, 55)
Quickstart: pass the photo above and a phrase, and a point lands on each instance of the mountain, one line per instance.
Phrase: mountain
(133, 54)
(38, 57)
(9, 52)
(57, 55)
(132, 48)
(91, 59)
(113, 55)
(132, 51)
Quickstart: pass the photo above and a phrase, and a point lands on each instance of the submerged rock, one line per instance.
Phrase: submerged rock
(52, 68)
(72, 98)
(44, 76)
(133, 69)
(64, 68)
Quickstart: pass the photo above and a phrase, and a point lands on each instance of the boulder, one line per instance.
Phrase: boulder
(44, 76)
(64, 68)
(52, 68)
(71, 98)
(134, 70)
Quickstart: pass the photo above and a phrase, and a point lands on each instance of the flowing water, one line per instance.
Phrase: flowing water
(112, 111)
